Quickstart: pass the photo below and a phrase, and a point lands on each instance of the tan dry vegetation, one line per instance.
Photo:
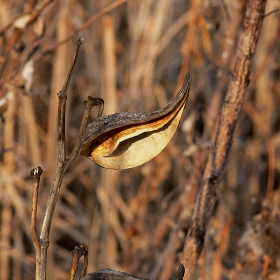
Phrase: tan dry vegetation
(135, 57)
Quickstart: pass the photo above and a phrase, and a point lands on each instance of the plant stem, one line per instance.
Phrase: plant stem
(62, 166)
(36, 174)
(224, 137)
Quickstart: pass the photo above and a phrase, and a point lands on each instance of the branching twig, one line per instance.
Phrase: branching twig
(89, 103)
(223, 141)
(33, 12)
(41, 245)
(84, 26)
(62, 166)
(60, 170)
(79, 251)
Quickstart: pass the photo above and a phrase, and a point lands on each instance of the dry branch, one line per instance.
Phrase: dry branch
(84, 26)
(62, 165)
(223, 141)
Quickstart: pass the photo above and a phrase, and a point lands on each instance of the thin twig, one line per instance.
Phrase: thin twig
(36, 174)
(84, 26)
(272, 12)
(79, 251)
(8, 69)
(62, 95)
(89, 103)
(63, 162)
(223, 141)
(34, 13)
(84, 269)
(62, 166)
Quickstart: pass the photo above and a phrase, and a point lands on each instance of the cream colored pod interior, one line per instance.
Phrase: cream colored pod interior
(136, 138)
(130, 150)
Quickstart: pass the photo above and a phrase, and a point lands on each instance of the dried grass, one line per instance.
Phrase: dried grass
(135, 57)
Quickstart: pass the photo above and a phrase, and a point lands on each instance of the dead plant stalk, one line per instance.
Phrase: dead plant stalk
(41, 244)
(224, 136)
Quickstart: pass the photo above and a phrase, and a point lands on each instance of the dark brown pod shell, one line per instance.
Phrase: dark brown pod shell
(125, 140)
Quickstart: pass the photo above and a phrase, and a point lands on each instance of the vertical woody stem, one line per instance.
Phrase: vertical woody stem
(224, 136)
(63, 163)
(60, 170)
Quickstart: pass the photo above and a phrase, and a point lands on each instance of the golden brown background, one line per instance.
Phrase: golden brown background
(135, 58)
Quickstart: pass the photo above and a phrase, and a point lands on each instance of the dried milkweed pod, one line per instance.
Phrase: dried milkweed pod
(125, 140)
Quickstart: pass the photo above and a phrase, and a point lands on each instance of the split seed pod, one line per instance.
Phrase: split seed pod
(125, 140)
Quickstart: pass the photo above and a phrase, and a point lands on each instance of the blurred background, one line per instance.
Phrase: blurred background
(135, 57)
